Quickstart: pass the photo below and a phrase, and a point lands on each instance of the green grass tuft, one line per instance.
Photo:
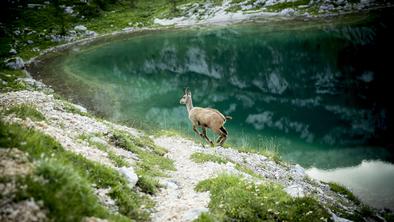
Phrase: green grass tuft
(234, 199)
(344, 191)
(24, 111)
(71, 169)
(280, 6)
(67, 195)
(203, 157)
(152, 164)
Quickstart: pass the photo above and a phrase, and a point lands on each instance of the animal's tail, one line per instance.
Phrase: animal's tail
(228, 117)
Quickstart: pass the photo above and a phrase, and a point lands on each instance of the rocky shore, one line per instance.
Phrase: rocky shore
(177, 199)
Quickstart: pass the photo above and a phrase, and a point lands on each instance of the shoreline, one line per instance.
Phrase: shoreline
(299, 185)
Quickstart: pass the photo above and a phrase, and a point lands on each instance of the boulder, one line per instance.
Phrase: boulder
(287, 11)
(15, 63)
(193, 214)
(80, 28)
(295, 190)
(130, 175)
(12, 52)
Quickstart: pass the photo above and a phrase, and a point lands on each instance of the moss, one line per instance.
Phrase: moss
(40, 146)
(203, 157)
(342, 190)
(24, 111)
(234, 199)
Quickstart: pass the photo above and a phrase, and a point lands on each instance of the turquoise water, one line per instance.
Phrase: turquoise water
(315, 91)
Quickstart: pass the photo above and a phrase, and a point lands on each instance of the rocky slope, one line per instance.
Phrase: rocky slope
(177, 199)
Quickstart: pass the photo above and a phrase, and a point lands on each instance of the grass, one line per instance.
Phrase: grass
(24, 111)
(56, 184)
(280, 6)
(344, 191)
(152, 164)
(203, 157)
(234, 199)
(10, 80)
(66, 176)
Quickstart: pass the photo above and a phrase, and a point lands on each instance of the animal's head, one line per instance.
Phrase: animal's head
(187, 96)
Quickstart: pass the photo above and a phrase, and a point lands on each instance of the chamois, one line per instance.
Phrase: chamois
(205, 118)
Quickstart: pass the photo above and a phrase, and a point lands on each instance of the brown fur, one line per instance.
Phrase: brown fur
(206, 118)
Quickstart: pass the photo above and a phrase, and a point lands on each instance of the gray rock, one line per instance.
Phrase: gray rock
(80, 108)
(130, 175)
(298, 170)
(194, 214)
(295, 190)
(12, 52)
(170, 185)
(68, 10)
(15, 63)
(30, 42)
(32, 82)
(80, 28)
(98, 140)
(91, 33)
(287, 11)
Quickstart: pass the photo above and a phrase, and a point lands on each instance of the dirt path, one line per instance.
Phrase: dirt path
(178, 200)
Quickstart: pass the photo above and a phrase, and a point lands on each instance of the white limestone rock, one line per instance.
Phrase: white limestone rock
(15, 63)
(80, 28)
(295, 190)
(130, 175)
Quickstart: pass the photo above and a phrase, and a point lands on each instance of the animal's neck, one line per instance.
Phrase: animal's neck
(189, 105)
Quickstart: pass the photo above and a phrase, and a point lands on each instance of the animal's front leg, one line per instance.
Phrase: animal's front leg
(204, 132)
(198, 133)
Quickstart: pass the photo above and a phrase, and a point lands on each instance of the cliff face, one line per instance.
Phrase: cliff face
(66, 154)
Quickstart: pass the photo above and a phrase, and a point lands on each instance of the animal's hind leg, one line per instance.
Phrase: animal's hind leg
(223, 135)
(204, 132)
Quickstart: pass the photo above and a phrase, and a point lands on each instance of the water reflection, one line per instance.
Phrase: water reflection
(371, 181)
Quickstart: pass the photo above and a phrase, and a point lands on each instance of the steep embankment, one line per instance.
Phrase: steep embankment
(117, 173)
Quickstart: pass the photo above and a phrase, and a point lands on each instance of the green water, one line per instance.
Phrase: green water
(317, 91)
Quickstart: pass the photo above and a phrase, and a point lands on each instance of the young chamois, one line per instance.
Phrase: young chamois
(205, 118)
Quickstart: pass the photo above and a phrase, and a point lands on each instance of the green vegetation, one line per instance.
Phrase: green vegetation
(57, 184)
(342, 190)
(70, 174)
(24, 111)
(152, 164)
(203, 157)
(281, 6)
(199, 157)
(235, 199)
(8, 80)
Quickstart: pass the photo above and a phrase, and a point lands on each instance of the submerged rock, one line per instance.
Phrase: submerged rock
(130, 175)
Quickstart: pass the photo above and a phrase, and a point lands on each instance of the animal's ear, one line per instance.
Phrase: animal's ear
(188, 91)
(185, 90)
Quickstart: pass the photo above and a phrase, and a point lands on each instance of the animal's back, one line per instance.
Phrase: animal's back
(206, 117)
